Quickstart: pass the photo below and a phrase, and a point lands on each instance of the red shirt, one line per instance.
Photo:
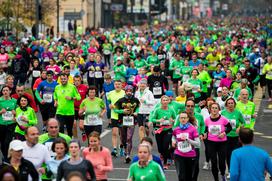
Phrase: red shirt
(82, 90)
(32, 102)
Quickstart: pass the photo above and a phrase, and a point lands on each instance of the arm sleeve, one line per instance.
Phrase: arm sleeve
(150, 99)
(268, 165)
(76, 94)
(108, 167)
(160, 174)
(37, 94)
(33, 172)
(91, 171)
(60, 172)
(234, 167)
(228, 128)
(165, 82)
(202, 125)
(33, 118)
(33, 103)
(195, 142)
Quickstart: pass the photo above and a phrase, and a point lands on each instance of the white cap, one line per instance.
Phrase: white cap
(16, 145)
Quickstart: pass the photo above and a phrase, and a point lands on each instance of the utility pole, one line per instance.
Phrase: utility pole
(58, 8)
(37, 19)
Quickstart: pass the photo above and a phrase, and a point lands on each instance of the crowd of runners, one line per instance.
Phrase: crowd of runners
(181, 83)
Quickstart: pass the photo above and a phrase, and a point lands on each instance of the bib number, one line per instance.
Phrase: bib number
(91, 74)
(36, 73)
(48, 98)
(128, 120)
(185, 77)
(184, 146)
(93, 120)
(131, 78)
(157, 91)
(106, 52)
(217, 83)
(7, 116)
(46, 59)
(165, 123)
(177, 71)
(215, 129)
(247, 118)
(232, 123)
(98, 74)
(195, 88)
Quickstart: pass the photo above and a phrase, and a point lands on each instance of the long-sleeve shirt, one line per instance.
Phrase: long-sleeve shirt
(83, 166)
(102, 157)
(249, 163)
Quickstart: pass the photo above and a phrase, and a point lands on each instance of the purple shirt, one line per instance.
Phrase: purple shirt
(184, 148)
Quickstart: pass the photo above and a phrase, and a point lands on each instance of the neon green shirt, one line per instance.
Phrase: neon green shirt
(177, 65)
(113, 97)
(196, 84)
(206, 80)
(29, 114)
(267, 70)
(66, 107)
(247, 111)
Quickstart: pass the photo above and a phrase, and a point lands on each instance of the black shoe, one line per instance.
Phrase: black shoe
(127, 160)
(114, 152)
(263, 96)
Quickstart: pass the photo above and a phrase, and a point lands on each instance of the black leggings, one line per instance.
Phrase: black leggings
(184, 167)
(232, 144)
(217, 149)
(269, 87)
(163, 140)
(196, 165)
(68, 121)
(6, 136)
(206, 150)
(107, 60)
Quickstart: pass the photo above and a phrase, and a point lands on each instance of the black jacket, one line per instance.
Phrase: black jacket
(26, 168)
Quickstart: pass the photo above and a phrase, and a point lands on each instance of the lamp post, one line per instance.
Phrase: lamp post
(58, 8)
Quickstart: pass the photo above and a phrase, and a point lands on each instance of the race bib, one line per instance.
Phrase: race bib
(128, 120)
(269, 73)
(195, 88)
(185, 77)
(98, 74)
(106, 52)
(46, 59)
(177, 71)
(157, 91)
(36, 73)
(215, 129)
(232, 123)
(247, 118)
(184, 146)
(217, 83)
(7, 116)
(131, 78)
(93, 120)
(48, 98)
(91, 74)
(160, 56)
(2, 80)
(165, 123)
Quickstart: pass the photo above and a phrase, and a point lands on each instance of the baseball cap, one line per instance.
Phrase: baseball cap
(16, 145)
(128, 87)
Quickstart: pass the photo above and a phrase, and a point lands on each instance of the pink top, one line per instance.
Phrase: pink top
(4, 58)
(55, 69)
(103, 158)
(226, 82)
(215, 128)
(138, 78)
(185, 149)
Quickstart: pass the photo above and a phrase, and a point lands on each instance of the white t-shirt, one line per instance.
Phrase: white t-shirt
(38, 154)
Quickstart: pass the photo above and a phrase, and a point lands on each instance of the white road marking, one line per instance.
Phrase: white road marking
(104, 133)
(268, 137)
(258, 133)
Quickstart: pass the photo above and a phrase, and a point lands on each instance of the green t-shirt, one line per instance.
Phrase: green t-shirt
(113, 97)
(8, 105)
(177, 65)
(93, 108)
(119, 72)
(152, 172)
(160, 113)
(206, 80)
(236, 120)
(186, 72)
(247, 111)
(238, 90)
(196, 84)
(152, 60)
(66, 107)
(139, 63)
(29, 114)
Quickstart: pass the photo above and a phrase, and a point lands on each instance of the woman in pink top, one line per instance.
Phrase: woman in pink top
(53, 67)
(184, 140)
(227, 80)
(140, 76)
(3, 57)
(217, 127)
(99, 156)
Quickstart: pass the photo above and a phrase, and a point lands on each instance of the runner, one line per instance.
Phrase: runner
(64, 96)
(127, 109)
(267, 71)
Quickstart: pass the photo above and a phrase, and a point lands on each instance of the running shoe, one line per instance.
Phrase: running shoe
(114, 152)
(165, 166)
(128, 159)
(206, 166)
(122, 152)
